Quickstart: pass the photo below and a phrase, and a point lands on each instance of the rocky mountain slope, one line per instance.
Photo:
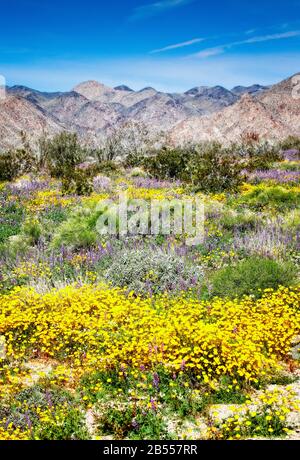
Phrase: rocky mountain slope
(93, 109)
(18, 114)
(273, 114)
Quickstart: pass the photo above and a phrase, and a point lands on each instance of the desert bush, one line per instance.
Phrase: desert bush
(251, 276)
(168, 163)
(108, 167)
(214, 169)
(32, 229)
(290, 143)
(78, 182)
(137, 172)
(292, 220)
(62, 154)
(15, 163)
(260, 156)
(207, 166)
(152, 271)
(129, 142)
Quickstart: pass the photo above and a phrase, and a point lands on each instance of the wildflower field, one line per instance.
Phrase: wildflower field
(144, 337)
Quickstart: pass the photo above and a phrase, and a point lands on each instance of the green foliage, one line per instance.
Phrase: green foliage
(149, 425)
(107, 167)
(168, 163)
(283, 379)
(207, 166)
(62, 154)
(32, 229)
(78, 182)
(242, 220)
(292, 220)
(228, 393)
(133, 160)
(251, 276)
(131, 421)
(70, 427)
(15, 163)
(11, 216)
(275, 197)
(291, 143)
(214, 169)
(78, 231)
(65, 421)
(288, 165)
(260, 155)
(17, 245)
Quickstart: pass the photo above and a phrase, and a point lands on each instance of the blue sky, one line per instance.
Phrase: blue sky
(172, 45)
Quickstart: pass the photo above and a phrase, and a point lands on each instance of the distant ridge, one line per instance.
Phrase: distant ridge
(92, 109)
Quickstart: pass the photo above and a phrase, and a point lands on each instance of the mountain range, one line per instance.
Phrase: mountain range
(93, 110)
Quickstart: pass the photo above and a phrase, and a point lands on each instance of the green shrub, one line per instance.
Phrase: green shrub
(207, 166)
(260, 156)
(168, 163)
(133, 422)
(62, 154)
(251, 276)
(242, 220)
(32, 229)
(292, 220)
(78, 182)
(214, 169)
(15, 163)
(290, 143)
(274, 197)
(78, 231)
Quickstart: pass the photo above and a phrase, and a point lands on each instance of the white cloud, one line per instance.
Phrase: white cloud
(265, 38)
(258, 39)
(178, 45)
(210, 52)
(155, 8)
(250, 31)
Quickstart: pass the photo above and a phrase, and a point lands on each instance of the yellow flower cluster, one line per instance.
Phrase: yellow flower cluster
(44, 199)
(32, 269)
(13, 434)
(153, 194)
(96, 327)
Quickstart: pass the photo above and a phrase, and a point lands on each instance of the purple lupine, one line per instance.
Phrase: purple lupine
(155, 380)
(135, 424)
(102, 183)
(277, 175)
(153, 405)
(149, 183)
(291, 154)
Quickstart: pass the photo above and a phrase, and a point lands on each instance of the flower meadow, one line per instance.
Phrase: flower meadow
(142, 336)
